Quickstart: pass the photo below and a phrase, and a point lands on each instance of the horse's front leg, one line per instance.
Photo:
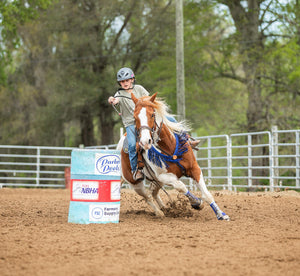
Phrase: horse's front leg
(154, 189)
(141, 190)
(208, 198)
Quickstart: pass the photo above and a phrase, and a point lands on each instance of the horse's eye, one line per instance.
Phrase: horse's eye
(153, 115)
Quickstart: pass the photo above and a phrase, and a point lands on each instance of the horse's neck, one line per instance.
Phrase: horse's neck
(166, 141)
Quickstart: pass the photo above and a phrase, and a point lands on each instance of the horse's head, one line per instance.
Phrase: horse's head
(144, 115)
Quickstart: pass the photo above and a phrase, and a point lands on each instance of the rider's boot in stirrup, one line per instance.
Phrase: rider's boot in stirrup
(194, 143)
(138, 175)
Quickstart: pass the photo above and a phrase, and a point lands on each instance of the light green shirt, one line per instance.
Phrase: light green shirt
(127, 105)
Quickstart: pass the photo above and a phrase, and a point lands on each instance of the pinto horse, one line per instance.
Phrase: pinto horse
(166, 155)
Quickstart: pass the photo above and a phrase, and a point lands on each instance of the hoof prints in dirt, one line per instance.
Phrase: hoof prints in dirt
(179, 208)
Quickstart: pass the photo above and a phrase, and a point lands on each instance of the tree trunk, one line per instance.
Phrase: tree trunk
(255, 103)
(87, 128)
(251, 50)
(250, 47)
(106, 123)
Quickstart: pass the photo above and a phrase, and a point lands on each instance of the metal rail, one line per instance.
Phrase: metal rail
(259, 160)
(33, 166)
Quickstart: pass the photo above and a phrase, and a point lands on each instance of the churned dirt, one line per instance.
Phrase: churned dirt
(262, 238)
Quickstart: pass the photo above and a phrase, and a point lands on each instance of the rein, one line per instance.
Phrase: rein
(120, 96)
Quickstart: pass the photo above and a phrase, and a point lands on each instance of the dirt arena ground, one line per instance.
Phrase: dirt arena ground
(262, 238)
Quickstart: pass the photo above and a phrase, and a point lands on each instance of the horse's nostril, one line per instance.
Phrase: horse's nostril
(149, 142)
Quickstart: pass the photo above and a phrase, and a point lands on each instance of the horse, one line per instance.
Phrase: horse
(167, 156)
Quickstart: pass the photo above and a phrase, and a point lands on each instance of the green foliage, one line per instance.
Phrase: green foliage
(58, 64)
(13, 14)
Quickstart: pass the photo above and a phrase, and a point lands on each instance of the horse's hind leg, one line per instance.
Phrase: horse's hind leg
(140, 190)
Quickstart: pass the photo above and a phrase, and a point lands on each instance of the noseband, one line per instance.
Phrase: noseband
(152, 130)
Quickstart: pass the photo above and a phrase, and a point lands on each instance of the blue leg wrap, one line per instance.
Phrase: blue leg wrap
(190, 195)
(195, 201)
(219, 213)
(215, 207)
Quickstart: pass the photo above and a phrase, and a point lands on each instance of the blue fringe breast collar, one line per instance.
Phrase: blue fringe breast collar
(159, 158)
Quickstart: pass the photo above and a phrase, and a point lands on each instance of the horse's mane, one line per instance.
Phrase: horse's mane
(162, 113)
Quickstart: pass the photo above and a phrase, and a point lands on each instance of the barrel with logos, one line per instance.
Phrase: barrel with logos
(95, 186)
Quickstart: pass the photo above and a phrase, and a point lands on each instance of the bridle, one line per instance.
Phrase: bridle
(152, 130)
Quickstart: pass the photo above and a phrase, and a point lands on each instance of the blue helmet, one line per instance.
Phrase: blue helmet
(125, 74)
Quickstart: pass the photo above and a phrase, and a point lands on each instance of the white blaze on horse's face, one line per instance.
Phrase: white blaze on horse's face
(145, 135)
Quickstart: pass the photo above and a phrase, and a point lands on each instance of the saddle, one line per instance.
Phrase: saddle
(125, 145)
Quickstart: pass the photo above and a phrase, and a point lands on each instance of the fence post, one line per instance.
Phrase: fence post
(271, 163)
(297, 158)
(229, 163)
(38, 154)
(209, 160)
(274, 156)
(249, 161)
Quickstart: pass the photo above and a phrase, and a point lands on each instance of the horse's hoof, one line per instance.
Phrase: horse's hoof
(223, 216)
(196, 202)
(198, 205)
(159, 214)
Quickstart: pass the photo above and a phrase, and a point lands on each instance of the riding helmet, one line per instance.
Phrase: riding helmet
(125, 74)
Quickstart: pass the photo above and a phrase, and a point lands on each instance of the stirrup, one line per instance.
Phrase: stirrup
(194, 143)
(138, 175)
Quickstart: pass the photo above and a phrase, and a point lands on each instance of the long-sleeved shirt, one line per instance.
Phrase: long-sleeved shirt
(127, 105)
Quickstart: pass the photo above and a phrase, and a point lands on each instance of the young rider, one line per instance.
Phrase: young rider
(126, 79)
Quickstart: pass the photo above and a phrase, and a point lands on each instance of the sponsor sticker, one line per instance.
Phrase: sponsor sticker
(104, 212)
(108, 164)
(115, 190)
(85, 190)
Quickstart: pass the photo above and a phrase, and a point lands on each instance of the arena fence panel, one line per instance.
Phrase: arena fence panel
(33, 166)
(265, 160)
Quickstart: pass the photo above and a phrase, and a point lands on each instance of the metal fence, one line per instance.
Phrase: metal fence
(259, 160)
(29, 166)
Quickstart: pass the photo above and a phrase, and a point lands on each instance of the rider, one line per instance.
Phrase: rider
(126, 79)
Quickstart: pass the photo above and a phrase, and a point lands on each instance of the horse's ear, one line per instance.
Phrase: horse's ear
(153, 97)
(134, 98)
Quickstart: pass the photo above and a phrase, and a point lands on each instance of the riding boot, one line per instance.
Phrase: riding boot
(138, 175)
(140, 159)
(194, 144)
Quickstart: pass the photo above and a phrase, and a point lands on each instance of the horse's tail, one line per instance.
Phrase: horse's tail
(177, 126)
(121, 142)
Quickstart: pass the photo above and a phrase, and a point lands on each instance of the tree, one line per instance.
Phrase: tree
(69, 58)
(12, 15)
(253, 21)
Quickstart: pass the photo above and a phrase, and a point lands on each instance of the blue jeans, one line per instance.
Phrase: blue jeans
(131, 136)
(171, 119)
